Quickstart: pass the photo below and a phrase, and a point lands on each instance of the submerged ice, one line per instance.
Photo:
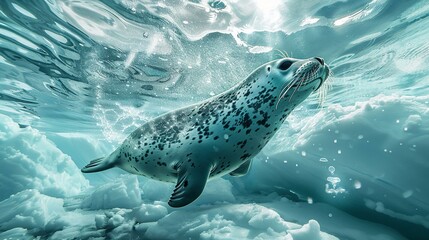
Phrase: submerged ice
(138, 207)
(31, 161)
(76, 77)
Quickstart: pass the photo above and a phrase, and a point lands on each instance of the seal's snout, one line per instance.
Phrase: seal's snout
(320, 60)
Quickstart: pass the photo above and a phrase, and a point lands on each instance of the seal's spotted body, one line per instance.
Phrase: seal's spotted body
(220, 135)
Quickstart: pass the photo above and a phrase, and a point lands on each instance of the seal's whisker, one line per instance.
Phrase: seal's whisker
(280, 53)
(296, 79)
(329, 84)
(325, 93)
(322, 94)
(309, 75)
(290, 98)
(299, 86)
(330, 75)
(324, 89)
(285, 54)
(300, 83)
(302, 78)
(328, 81)
(286, 87)
(284, 92)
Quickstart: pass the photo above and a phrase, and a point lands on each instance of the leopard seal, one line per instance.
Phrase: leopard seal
(218, 136)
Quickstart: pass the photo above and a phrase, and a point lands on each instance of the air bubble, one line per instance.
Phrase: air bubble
(407, 194)
(333, 180)
(331, 169)
(357, 184)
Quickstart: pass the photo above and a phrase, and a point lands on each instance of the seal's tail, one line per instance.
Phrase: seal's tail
(99, 164)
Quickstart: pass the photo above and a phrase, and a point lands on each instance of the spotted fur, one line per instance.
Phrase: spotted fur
(220, 134)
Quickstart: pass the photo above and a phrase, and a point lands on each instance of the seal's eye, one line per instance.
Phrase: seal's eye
(285, 65)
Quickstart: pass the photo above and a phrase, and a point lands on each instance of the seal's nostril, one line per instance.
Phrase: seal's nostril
(320, 60)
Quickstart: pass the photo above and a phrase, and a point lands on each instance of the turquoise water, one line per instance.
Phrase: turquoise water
(100, 69)
(77, 60)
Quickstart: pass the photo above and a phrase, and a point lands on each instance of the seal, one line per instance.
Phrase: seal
(218, 136)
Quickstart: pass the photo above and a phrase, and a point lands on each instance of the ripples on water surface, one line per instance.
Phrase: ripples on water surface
(67, 64)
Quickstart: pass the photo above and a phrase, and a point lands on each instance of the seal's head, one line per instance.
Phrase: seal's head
(294, 79)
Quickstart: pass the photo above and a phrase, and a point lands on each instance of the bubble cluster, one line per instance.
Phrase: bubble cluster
(332, 186)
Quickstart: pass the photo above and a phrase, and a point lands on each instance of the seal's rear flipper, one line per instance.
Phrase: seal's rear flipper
(100, 164)
(190, 184)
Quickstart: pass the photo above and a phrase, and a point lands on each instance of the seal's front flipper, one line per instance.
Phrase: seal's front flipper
(242, 170)
(190, 184)
(100, 164)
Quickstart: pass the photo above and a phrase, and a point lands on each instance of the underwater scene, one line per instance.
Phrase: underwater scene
(214, 119)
